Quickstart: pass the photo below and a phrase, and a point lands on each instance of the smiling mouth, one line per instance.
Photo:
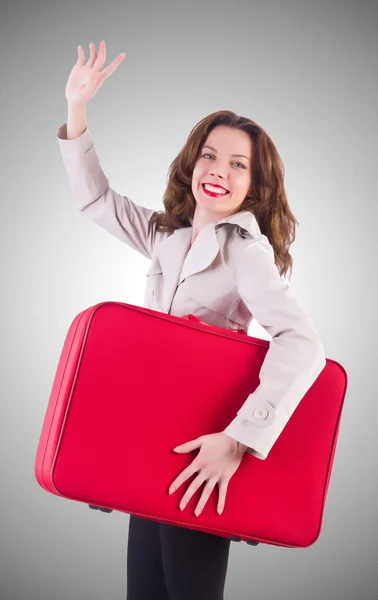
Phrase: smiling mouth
(213, 194)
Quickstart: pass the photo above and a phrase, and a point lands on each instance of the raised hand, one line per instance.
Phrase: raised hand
(85, 79)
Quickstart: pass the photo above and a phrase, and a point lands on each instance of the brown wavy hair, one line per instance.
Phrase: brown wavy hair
(266, 198)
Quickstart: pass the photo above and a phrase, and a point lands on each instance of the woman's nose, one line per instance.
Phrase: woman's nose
(220, 171)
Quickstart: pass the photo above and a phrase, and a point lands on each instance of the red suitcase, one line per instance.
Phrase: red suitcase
(132, 383)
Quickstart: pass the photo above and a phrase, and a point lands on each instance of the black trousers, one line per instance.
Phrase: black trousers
(168, 562)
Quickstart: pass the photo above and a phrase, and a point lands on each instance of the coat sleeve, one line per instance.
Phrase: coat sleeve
(94, 198)
(295, 357)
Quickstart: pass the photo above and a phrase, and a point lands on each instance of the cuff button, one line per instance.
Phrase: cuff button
(261, 414)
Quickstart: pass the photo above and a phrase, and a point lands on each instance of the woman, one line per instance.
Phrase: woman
(219, 250)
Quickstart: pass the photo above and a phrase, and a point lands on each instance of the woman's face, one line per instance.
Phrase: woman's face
(218, 166)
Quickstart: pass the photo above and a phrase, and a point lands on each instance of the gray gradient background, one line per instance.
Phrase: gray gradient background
(307, 74)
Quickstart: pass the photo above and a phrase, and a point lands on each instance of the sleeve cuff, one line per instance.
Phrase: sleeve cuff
(244, 431)
(79, 145)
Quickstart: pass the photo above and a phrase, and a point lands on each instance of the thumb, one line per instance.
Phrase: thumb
(188, 446)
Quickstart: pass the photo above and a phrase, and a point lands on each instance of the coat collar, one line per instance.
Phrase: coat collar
(178, 261)
(243, 218)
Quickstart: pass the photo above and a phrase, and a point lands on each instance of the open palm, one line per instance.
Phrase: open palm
(86, 78)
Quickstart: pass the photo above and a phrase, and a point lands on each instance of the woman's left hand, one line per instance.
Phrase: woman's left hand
(218, 459)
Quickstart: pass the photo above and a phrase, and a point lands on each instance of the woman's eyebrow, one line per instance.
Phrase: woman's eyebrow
(211, 148)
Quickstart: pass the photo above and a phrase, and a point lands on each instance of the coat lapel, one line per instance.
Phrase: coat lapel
(178, 261)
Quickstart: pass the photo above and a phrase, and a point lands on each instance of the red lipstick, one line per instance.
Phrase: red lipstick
(213, 194)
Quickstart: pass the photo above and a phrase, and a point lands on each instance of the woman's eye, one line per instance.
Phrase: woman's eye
(236, 163)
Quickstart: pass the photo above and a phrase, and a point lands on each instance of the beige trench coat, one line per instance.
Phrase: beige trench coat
(227, 278)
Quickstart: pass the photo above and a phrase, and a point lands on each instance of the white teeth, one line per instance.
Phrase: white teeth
(214, 189)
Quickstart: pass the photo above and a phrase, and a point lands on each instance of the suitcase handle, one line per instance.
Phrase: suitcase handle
(192, 317)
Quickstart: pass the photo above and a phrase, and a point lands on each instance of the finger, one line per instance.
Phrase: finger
(93, 55)
(101, 58)
(184, 475)
(80, 56)
(205, 495)
(223, 485)
(113, 65)
(196, 483)
(189, 446)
